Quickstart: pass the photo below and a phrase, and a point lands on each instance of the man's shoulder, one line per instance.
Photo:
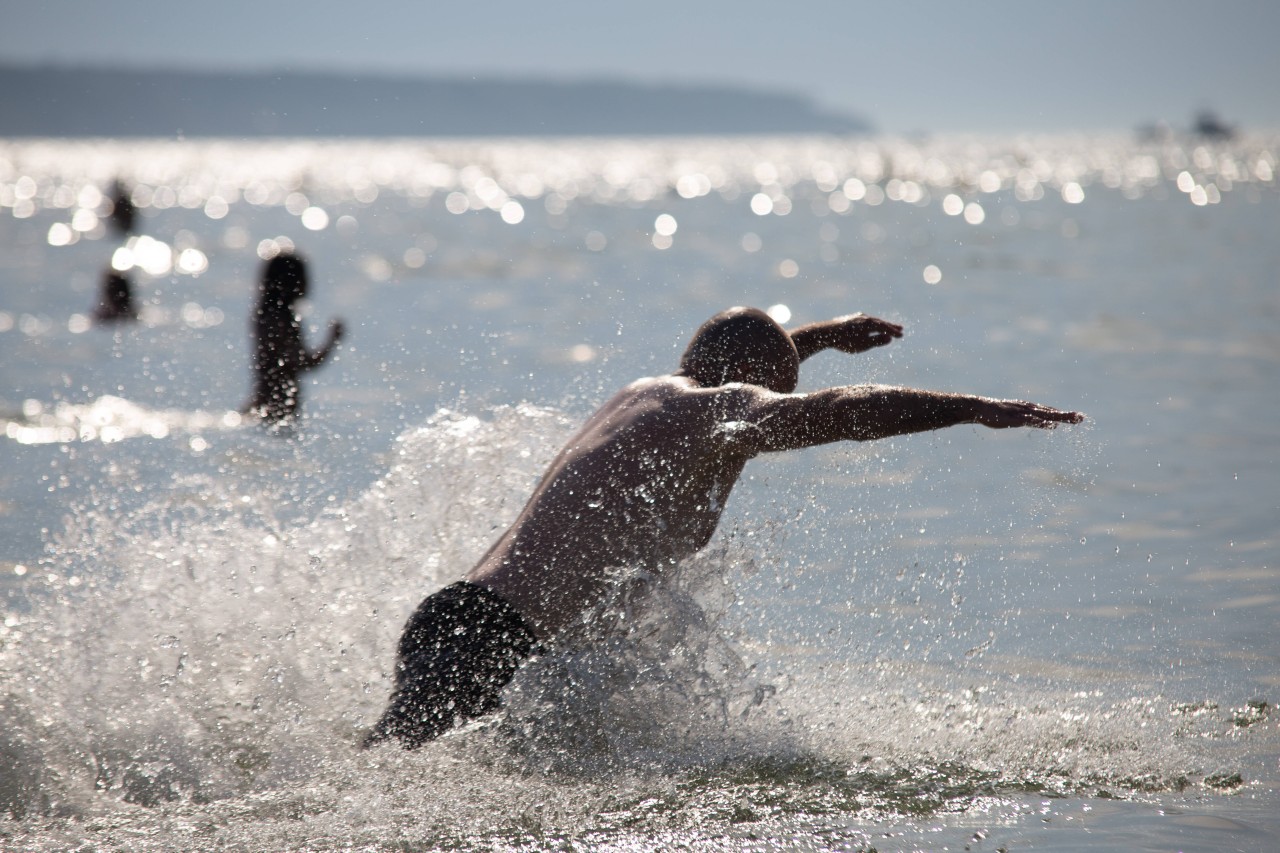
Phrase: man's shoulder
(678, 383)
(679, 396)
(669, 385)
(666, 380)
(686, 413)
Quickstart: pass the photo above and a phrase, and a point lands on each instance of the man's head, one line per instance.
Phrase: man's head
(742, 345)
(284, 279)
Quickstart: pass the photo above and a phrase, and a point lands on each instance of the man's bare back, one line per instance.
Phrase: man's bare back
(644, 482)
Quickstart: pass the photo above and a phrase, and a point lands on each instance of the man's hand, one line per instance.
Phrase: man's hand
(1003, 414)
(857, 333)
(853, 333)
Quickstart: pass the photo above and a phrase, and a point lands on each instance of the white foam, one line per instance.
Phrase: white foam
(220, 670)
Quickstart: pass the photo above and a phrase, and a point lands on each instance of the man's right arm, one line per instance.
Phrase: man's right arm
(852, 334)
(868, 412)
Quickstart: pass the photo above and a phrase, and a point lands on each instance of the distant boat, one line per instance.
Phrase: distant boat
(1205, 125)
(1208, 125)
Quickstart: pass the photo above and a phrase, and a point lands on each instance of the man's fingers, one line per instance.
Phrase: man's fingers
(1045, 417)
(883, 331)
(1058, 415)
(1016, 413)
(892, 330)
(856, 333)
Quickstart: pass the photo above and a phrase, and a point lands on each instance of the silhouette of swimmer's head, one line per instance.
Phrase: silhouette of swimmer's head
(742, 345)
(284, 279)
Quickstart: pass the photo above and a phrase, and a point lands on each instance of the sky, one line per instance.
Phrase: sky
(906, 65)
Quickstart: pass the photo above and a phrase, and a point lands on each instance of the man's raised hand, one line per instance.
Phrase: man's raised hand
(857, 333)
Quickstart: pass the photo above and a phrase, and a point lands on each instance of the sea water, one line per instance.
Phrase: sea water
(966, 639)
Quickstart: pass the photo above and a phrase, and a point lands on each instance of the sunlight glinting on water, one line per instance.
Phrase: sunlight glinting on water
(857, 644)
(770, 176)
(109, 419)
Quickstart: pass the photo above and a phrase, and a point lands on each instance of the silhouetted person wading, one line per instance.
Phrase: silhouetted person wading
(279, 355)
(116, 300)
(115, 304)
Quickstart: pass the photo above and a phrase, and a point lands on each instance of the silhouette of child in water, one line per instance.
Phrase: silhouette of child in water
(279, 355)
(116, 303)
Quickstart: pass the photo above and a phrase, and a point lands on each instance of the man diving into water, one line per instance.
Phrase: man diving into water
(643, 483)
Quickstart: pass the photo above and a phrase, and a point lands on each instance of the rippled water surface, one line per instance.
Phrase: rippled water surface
(963, 640)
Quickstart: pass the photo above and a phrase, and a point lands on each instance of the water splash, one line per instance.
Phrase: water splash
(199, 671)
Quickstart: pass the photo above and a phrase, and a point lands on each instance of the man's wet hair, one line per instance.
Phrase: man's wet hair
(284, 280)
(742, 345)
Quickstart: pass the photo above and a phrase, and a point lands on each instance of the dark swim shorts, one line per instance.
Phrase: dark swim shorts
(459, 649)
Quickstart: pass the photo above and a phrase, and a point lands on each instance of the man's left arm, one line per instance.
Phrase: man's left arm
(771, 422)
(853, 333)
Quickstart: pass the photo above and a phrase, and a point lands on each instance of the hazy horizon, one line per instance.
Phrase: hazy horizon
(922, 66)
(91, 101)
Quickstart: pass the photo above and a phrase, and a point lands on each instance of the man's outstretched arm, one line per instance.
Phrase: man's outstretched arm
(868, 412)
(853, 333)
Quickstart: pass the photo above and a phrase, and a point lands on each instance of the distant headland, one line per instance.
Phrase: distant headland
(119, 102)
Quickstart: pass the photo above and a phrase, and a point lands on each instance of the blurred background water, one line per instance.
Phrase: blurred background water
(968, 638)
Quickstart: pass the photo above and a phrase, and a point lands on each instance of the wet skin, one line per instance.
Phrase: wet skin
(645, 480)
